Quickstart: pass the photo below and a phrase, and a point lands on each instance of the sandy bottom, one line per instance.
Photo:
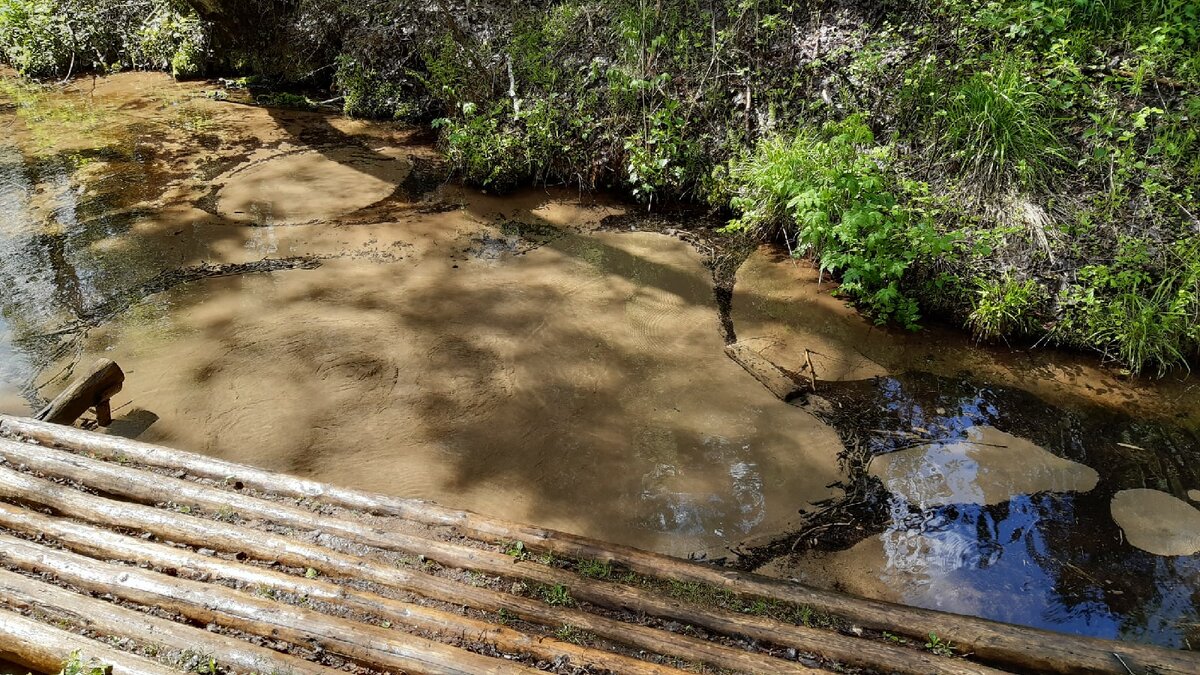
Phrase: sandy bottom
(990, 467)
(1157, 522)
(581, 386)
(307, 186)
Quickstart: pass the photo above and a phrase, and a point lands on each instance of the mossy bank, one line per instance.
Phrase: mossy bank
(1025, 168)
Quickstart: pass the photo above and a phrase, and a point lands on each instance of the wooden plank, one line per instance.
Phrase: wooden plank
(152, 488)
(110, 620)
(269, 547)
(105, 545)
(94, 388)
(371, 646)
(42, 648)
(1016, 647)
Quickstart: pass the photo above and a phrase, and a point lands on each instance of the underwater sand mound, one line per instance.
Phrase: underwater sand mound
(989, 467)
(1157, 522)
(308, 186)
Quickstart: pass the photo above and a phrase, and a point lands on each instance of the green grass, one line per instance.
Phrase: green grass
(557, 596)
(595, 569)
(1000, 128)
(77, 665)
(1004, 307)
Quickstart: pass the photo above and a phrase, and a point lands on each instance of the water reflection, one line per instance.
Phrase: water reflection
(721, 496)
(1045, 556)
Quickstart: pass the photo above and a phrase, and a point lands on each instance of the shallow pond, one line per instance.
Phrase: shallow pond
(544, 357)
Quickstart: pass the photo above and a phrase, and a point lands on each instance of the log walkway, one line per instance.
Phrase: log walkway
(152, 560)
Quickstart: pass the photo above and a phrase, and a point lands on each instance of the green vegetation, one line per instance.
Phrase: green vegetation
(55, 38)
(594, 569)
(837, 188)
(572, 634)
(1028, 169)
(939, 646)
(557, 596)
(77, 665)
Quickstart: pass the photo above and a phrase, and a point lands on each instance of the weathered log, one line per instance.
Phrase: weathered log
(151, 488)
(269, 547)
(770, 375)
(105, 545)
(110, 620)
(93, 389)
(371, 646)
(45, 649)
(1017, 647)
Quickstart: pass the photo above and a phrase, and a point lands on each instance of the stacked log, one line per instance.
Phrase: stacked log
(72, 514)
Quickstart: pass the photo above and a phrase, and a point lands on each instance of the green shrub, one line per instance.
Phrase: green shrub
(999, 126)
(1004, 307)
(35, 37)
(1142, 313)
(834, 188)
(52, 38)
(486, 148)
(171, 41)
(368, 94)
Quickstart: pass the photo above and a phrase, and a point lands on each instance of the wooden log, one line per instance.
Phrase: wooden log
(770, 375)
(1016, 647)
(103, 544)
(45, 649)
(371, 646)
(110, 620)
(93, 389)
(269, 547)
(152, 488)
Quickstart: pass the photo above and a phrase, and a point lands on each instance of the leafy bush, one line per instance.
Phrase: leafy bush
(834, 187)
(488, 150)
(1135, 317)
(53, 38)
(369, 94)
(34, 37)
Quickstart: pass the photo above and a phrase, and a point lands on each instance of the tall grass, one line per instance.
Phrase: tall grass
(999, 127)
